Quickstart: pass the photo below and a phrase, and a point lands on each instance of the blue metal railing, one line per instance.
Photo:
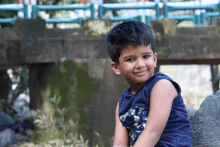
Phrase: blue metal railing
(13, 7)
(36, 8)
(120, 6)
(167, 7)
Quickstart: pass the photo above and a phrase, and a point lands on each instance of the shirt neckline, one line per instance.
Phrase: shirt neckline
(127, 93)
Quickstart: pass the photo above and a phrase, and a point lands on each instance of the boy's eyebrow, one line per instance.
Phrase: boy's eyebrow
(129, 56)
(147, 53)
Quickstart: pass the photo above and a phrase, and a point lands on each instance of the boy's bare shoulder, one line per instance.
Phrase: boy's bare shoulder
(164, 86)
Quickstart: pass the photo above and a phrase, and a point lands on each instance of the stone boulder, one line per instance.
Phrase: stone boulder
(191, 111)
(7, 137)
(13, 133)
(205, 124)
(5, 119)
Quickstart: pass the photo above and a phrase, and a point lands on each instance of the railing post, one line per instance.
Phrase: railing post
(197, 14)
(203, 16)
(147, 19)
(219, 8)
(26, 2)
(147, 13)
(197, 17)
(165, 10)
(139, 18)
(34, 9)
(100, 11)
(140, 11)
(92, 9)
(34, 12)
(157, 9)
(80, 21)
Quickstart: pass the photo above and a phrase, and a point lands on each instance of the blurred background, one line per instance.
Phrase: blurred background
(57, 87)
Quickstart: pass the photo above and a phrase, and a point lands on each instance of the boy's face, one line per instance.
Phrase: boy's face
(136, 63)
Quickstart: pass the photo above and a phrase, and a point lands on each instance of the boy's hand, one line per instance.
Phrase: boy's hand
(121, 138)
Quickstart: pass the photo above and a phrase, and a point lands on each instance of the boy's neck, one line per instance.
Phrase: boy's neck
(136, 87)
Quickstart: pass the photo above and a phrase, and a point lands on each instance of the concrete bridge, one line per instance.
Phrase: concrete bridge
(55, 57)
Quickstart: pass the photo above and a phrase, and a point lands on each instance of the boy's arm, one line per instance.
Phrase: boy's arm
(162, 96)
(121, 135)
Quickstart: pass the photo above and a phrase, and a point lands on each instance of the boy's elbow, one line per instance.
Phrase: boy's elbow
(120, 144)
(155, 136)
(116, 145)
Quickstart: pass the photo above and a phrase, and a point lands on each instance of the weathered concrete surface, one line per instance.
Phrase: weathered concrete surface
(201, 31)
(30, 42)
(193, 47)
(186, 44)
(86, 49)
(205, 124)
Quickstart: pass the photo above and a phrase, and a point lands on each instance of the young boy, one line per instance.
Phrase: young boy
(151, 111)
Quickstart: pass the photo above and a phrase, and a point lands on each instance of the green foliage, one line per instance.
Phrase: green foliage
(23, 75)
(7, 14)
(60, 85)
(55, 131)
(8, 77)
(5, 84)
(74, 93)
(218, 79)
(101, 142)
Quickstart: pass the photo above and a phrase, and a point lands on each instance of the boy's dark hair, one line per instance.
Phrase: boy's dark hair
(126, 33)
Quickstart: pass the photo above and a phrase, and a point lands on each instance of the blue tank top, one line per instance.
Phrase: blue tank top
(134, 109)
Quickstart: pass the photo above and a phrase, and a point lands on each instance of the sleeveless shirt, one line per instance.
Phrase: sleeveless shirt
(134, 109)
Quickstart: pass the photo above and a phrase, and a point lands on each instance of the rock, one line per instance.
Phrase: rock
(5, 119)
(27, 124)
(191, 111)
(7, 136)
(12, 133)
(205, 124)
(217, 93)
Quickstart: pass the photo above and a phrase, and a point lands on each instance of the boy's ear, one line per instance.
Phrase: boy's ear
(155, 59)
(115, 68)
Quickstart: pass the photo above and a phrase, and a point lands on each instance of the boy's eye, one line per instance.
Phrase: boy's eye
(146, 56)
(131, 59)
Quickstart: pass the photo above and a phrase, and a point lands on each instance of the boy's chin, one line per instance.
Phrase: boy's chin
(139, 82)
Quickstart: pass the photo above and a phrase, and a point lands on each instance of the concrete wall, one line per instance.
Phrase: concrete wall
(30, 42)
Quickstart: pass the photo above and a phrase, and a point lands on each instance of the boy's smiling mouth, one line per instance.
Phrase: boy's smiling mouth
(140, 72)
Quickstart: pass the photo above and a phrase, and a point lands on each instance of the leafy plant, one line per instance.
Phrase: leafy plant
(218, 79)
(55, 131)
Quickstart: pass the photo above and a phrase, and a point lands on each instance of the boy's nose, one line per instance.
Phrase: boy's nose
(140, 64)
